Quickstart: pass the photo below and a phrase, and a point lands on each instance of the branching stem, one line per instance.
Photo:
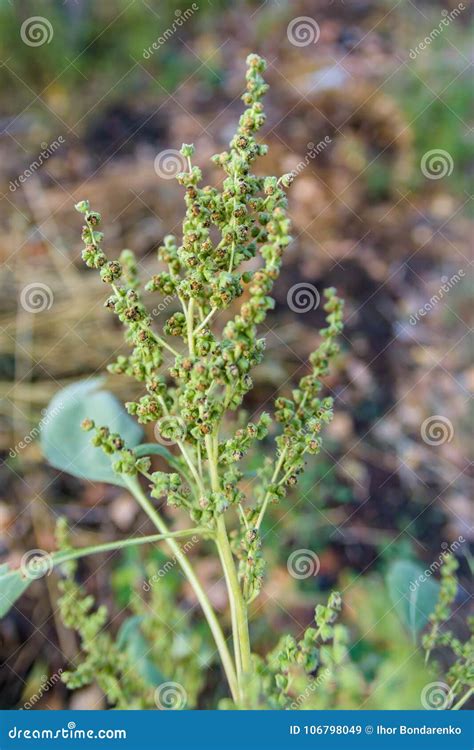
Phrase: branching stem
(201, 595)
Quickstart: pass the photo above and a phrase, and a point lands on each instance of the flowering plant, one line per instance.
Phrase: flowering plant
(195, 374)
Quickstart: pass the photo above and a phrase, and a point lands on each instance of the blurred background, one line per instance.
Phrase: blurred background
(370, 104)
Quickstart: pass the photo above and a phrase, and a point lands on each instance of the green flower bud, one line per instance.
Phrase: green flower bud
(82, 207)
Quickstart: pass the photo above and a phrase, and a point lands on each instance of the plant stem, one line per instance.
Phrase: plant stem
(235, 593)
(166, 346)
(192, 468)
(227, 663)
(463, 700)
(233, 614)
(205, 320)
(185, 454)
(433, 633)
(76, 553)
(267, 494)
(275, 475)
(190, 326)
(237, 605)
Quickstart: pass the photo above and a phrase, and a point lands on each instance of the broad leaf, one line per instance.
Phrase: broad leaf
(131, 640)
(413, 594)
(12, 585)
(65, 444)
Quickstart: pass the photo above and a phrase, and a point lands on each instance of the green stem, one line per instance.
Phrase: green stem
(234, 223)
(233, 614)
(205, 320)
(191, 466)
(433, 634)
(237, 605)
(267, 494)
(463, 700)
(201, 595)
(163, 343)
(184, 452)
(74, 554)
(275, 474)
(190, 326)
(155, 449)
(236, 594)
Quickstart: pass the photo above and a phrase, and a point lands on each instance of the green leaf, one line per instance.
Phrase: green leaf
(12, 585)
(68, 447)
(413, 594)
(131, 640)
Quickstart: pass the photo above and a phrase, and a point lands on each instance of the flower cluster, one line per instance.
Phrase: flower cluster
(320, 649)
(195, 400)
(460, 675)
(102, 660)
(211, 375)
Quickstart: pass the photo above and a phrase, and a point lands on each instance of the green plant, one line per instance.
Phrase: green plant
(198, 408)
(77, 56)
(425, 607)
(460, 675)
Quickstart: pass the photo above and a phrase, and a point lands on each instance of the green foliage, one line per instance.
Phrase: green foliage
(285, 678)
(436, 96)
(195, 401)
(383, 670)
(212, 377)
(12, 585)
(154, 645)
(175, 644)
(131, 640)
(90, 48)
(460, 676)
(412, 593)
(101, 659)
(66, 446)
(194, 393)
